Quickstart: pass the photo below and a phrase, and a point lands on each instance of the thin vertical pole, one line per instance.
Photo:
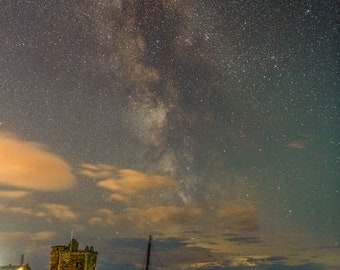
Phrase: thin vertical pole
(148, 254)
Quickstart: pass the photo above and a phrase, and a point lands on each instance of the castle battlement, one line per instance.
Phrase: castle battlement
(71, 258)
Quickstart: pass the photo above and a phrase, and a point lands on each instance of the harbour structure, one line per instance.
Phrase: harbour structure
(16, 267)
(21, 266)
(71, 258)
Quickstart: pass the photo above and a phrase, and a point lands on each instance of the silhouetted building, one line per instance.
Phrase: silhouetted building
(16, 267)
(70, 258)
(21, 266)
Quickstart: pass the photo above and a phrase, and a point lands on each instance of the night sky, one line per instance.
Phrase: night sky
(211, 125)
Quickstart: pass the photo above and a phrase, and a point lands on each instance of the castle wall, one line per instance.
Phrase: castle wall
(70, 258)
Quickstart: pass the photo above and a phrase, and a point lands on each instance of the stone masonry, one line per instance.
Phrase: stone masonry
(71, 258)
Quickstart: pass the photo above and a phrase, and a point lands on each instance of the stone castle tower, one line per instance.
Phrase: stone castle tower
(70, 258)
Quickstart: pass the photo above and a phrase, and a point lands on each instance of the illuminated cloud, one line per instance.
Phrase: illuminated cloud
(29, 165)
(168, 218)
(165, 215)
(130, 181)
(205, 265)
(44, 236)
(240, 217)
(59, 211)
(21, 210)
(45, 210)
(96, 171)
(251, 261)
(32, 244)
(104, 218)
(13, 194)
(125, 182)
(12, 237)
(241, 239)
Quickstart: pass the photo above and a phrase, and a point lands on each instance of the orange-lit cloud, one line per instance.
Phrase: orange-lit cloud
(97, 171)
(205, 265)
(251, 260)
(22, 210)
(59, 211)
(125, 182)
(130, 181)
(47, 211)
(29, 165)
(165, 215)
(13, 194)
(11, 237)
(240, 217)
(104, 218)
(44, 235)
(168, 218)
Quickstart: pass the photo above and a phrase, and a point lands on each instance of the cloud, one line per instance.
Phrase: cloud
(22, 210)
(240, 217)
(162, 244)
(96, 171)
(130, 181)
(45, 210)
(59, 211)
(205, 265)
(104, 218)
(249, 260)
(243, 239)
(164, 215)
(255, 260)
(29, 165)
(13, 194)
(6, 238)
(166, 218)
(44, 236)
(125, 182)
(32, 244)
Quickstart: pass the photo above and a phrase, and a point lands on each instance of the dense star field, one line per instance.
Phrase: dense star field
(211, 125)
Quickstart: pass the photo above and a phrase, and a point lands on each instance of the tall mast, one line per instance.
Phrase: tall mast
(148, 253)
